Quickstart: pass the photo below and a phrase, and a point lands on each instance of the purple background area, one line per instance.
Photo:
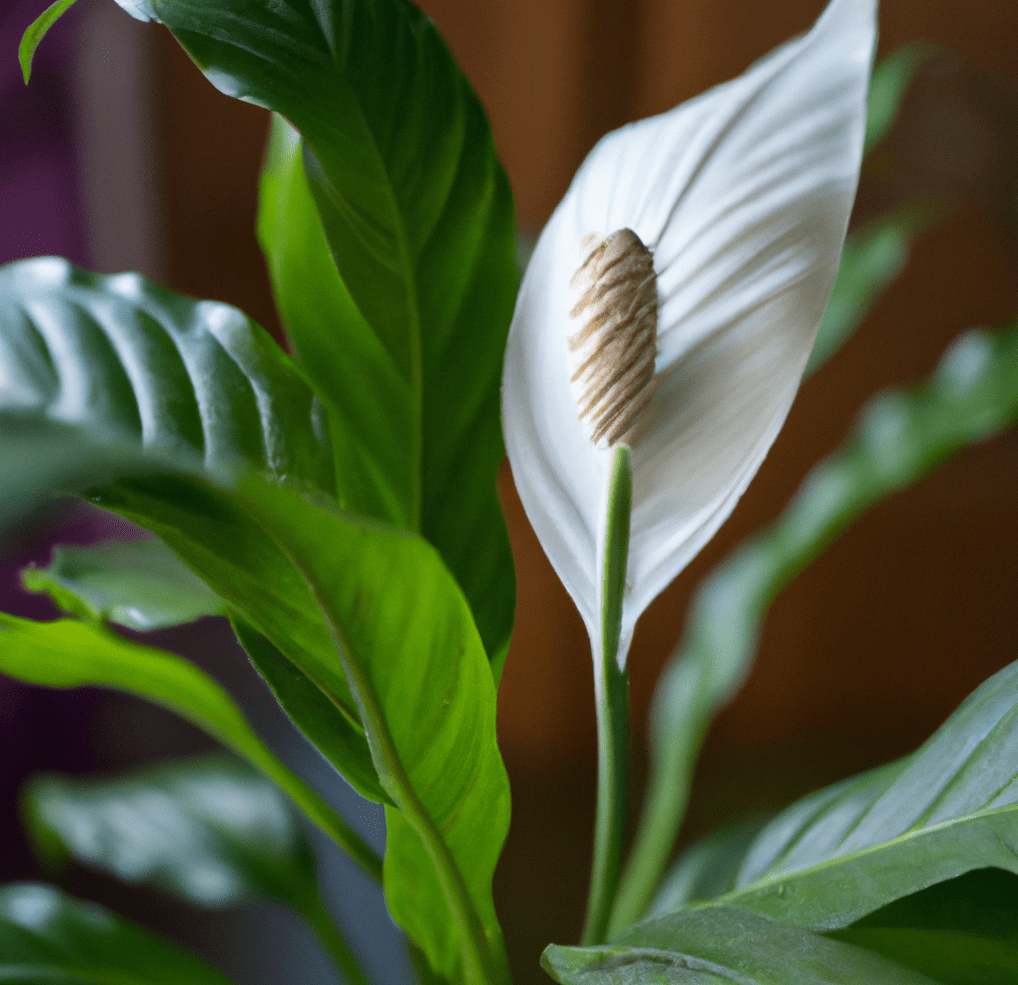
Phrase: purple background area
(39, 214)
(38, 201)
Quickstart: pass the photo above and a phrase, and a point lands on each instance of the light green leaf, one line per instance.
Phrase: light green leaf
(144, 585)
(427, 700)
(46, 936)
(724, 947)
(404, 335)
(36, 31)
(140, 584)
(950, 807)
(67, 654)
(964, 930)
(900, 437)
(211, 831)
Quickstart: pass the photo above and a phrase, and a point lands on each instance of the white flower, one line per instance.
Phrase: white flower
(742, 196)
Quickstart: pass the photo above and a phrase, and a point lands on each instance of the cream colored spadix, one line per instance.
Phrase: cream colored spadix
(617, 343)
(740, 199)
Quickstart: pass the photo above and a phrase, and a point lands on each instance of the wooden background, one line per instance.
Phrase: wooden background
(872, 647)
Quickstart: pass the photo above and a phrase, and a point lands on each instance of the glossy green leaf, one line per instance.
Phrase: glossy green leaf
(194, 380)
(211, 831)
(724, 947)
(404, 335)
(900, 437)
(140, 584)
(964, 930)
(36, 31)
(950, 807)
(46, 936)
(67, 653)
(110, 376)
(427, 699)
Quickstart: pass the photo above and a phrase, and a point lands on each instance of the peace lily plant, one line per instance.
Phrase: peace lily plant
(338, 506)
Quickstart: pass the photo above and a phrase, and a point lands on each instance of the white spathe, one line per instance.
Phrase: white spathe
(743, 196)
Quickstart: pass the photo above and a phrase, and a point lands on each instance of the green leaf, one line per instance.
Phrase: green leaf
(726, 947)
(67, 654)
(46, 936)
(110, 376)
(900, 437)
(871, 261)
(706, 869)
(964, 930)
(889, 83)
(950, 807)
(211, 831)
(404, 336)
(875, 255)
(427, 700)
(36, 31)
(194, 380)
(309, 708)
(144, 585)
(140, 584)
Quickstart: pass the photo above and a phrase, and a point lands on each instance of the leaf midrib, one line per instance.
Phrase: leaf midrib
(762, 885)
(408, 270)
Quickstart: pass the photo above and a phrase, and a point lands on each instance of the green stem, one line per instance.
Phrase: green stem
(664, 807)
(335, 943)
(611, 694)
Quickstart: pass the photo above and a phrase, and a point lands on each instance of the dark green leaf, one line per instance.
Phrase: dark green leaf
(36, 31)
(427, 699)
(724, 947)
(900, 437)
(950, 807)
(406, 339)
(964, 930)
(140, 584)
(48, 937)
(193, 380)
(71, 654)
(212, 831)
(39, 456)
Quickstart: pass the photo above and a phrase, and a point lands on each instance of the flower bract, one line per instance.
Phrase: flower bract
(741, 197)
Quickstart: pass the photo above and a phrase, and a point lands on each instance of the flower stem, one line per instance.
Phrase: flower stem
(611, 694)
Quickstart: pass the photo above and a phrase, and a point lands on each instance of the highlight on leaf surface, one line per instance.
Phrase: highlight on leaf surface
(740, 198)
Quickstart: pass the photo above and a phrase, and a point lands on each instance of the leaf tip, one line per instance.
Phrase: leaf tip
(36, 31)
